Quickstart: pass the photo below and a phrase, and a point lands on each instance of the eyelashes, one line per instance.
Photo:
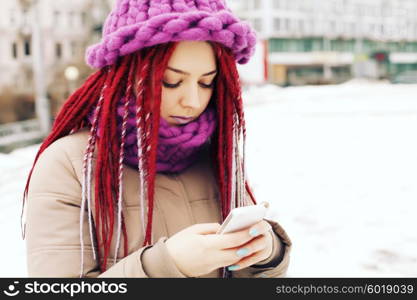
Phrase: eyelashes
(173, 86)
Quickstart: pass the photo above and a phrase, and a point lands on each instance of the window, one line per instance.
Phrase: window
(372, 29)
(340, 28)
(301, 28)
(257, 4)
(71, 19)
(287, 24)
(244, 4)
(277, 24)
(14, 50)
(311, 27)
(352, 28)
(292, 5)
(331, 26)
(12, 17)
(292, 25)
(317, 45)
(83, 18)
(58, 50)
(73, 46)
(257, 23)
(27, 47)
(308, 45)
(276, 3)
(57, 18)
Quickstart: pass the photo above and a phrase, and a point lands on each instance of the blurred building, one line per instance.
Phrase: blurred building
(320, 41)
(66, 28)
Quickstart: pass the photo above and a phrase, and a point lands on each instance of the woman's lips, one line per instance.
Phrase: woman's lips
(182, 120)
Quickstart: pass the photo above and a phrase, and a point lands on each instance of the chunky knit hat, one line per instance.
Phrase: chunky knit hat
(136, 24)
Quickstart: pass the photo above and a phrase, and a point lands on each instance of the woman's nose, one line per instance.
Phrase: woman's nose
(191, 98)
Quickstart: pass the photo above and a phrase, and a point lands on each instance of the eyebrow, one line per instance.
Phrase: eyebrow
(185, 73)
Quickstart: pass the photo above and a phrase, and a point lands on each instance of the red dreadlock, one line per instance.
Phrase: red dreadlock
(140, 74)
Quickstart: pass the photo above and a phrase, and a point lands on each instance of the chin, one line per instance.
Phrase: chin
(173, 124)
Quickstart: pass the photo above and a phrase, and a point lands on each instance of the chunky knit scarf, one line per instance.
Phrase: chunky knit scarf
(178, 146)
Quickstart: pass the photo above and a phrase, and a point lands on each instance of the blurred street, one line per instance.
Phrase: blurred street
(343, 181)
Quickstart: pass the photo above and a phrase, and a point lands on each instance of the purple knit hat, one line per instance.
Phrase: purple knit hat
(136, 24)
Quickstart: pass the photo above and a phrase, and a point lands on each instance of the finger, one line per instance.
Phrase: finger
(247, 261)
(261, 227)
(251, 259)
(204, 228)
(229, 240)
(238, 238)
(235, 255)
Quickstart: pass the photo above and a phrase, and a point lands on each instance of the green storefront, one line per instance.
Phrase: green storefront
(378, 51)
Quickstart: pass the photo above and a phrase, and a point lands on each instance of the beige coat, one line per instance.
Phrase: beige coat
(53, 212)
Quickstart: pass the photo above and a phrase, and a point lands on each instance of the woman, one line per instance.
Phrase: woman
(145, 155)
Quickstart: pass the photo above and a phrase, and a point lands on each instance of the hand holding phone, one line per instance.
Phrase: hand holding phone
(242, 217)
(194, 257)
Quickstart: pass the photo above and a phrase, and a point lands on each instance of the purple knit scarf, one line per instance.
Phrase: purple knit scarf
(178, 146)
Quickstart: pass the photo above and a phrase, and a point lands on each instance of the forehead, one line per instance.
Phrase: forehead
(194, 57)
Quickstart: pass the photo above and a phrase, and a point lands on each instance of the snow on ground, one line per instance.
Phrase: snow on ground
(14, 169)
(337, 163)
(339, 166)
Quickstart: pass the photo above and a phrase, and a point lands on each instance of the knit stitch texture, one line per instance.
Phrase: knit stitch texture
(136, 24)
(178, 146)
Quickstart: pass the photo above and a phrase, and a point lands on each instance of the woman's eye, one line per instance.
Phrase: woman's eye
(207, 86)
(171, 86)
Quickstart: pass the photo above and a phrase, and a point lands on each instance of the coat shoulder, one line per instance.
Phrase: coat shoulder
(55, 164)
(72, 145)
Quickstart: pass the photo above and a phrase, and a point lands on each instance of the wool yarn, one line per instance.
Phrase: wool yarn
(136, 24)
(178, 146)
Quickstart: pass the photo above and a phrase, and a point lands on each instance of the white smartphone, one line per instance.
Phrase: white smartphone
(242, 217)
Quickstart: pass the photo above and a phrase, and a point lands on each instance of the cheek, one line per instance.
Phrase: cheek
(168, 99)
(206, 96)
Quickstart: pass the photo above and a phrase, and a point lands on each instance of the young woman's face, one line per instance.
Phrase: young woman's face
(188, 82)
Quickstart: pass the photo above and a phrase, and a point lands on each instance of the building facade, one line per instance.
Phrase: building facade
(66, 28)
(337, 38)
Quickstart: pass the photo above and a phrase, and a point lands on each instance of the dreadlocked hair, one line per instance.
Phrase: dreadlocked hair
(138, 76)
(231, 128)
(230, 137)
